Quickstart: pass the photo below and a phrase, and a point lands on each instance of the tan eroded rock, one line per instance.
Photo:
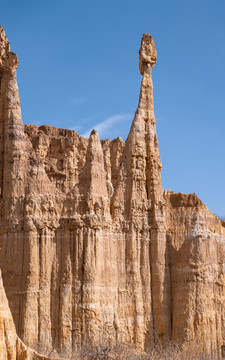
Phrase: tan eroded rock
(11, 347)
(93, 251)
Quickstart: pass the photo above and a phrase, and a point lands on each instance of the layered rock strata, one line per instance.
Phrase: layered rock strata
(93, 251)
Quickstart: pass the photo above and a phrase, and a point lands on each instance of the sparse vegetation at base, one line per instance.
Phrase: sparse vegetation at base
(169, 352)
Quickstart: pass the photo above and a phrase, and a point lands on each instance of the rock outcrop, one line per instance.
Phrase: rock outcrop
(92, 250)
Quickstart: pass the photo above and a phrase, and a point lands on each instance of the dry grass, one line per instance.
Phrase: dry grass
(170, 352)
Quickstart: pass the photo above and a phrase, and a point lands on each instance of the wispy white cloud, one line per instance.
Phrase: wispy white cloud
(92, 117)
(80, 100)
(76, 128)
(105, 127)
(80, 127)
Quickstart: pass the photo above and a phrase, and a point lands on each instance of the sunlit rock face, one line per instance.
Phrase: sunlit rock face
(92, 250)
(11, 347)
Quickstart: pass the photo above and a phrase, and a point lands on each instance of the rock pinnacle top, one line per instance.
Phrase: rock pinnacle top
(147, 53)
(8, 59)
(4, 44)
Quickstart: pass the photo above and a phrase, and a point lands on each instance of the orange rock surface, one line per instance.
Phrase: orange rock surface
(92, 249)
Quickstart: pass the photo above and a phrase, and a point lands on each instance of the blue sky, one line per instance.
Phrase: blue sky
(79, 70)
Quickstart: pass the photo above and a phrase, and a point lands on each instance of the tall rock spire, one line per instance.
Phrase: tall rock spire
(14, 153)
(139, 191)
(156, 203)
(141, 143)
(12, 148)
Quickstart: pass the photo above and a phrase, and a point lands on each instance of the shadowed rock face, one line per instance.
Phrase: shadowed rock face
(92, 250)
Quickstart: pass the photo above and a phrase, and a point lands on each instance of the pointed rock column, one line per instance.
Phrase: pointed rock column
(157, 217)
(13, 142)
(93, 178)
(93, 187)
(14, 154)
(140, 195)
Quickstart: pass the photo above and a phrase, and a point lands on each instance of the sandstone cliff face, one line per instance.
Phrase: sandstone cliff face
(92, 249)
(11, 347)
(196, 246)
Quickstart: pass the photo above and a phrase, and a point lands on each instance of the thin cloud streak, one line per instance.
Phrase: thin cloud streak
(106, 126)
(76, 128)
(85, 120)
(79, 101)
